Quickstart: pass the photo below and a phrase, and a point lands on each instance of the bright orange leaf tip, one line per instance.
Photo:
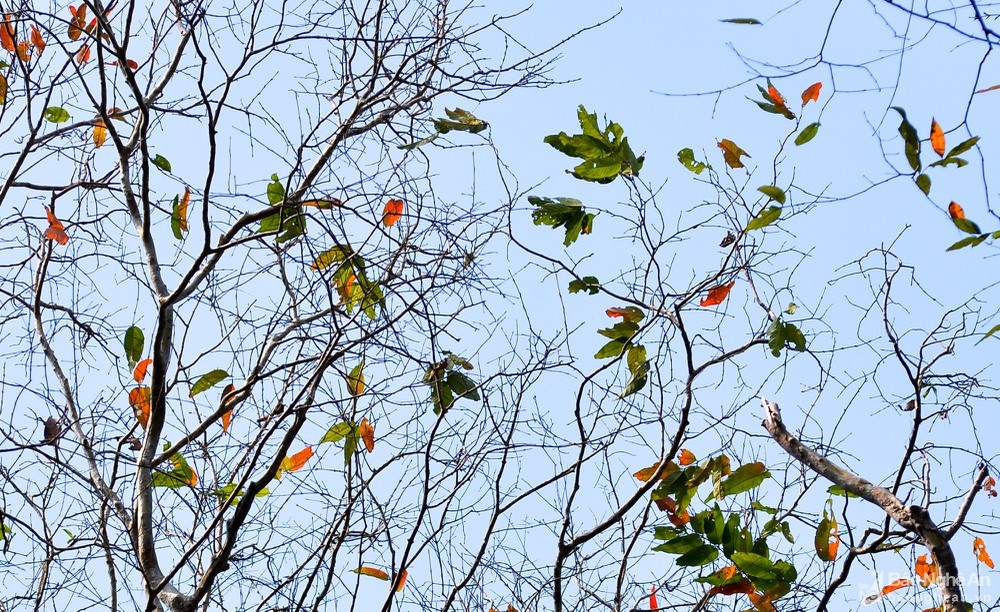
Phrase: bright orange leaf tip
(979, 547)
(138, 398)
(296, 461)
(140, 370)
(83, 55)
(653, 604)
(227, 415)
(895, 585)
(55, 231)
(717, 295)
(937, 138)
(392, 213)
(367, 431)
(687, 457)
(402, 581)
(779, 100)
(927, 573)
(989, 486)
(811, 93)
(955, 211)
(36, 39)
(7, 34)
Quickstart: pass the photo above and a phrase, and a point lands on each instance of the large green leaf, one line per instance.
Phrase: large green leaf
(134, 345)
(606, 153)
(807, 134)
(207, 381)
(744, 478)
(910, 139)
(562, 212)
(764, 218)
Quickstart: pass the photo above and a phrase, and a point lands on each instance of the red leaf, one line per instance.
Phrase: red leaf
(653, 604)
(937, 138)
(955, 211)
(140, 370)
(742, 586)
(55, 231)
(811, 93)
(979, 547)
(717, 295)
(392, 213)
(76, 23)
(988, 486)
(82, 57)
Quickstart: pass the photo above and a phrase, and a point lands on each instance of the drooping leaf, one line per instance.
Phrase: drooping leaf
(7, 34)
(637, 380)
(653, 604)
(100, 132)
(924, 183)
(742, 21)
(686, 158)
(562, 212)
(367, 432)
(78, 20)
(227, 416)
(24, 50)
(162, 163)
(183, 475)
(910, 139)
(590, 284)
(56, 114)
(807, 134)
(207, 381)
(83, 55)
(37, 40)
(811, 93)
(356, 380)
(135, 344)
(374, 572)
(140, 370)
(55, 230)
(895, 585)
(178, 217)
(993, 330)
(139, 400)
(393, 212)
(937, 138)
(731, 153)
(462, 385)
(827, 539)
(717, 295)
(979, 548)
(401, 582)
(3, 90)
(773, 192)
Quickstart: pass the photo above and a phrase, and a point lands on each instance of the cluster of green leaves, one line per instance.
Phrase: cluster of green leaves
(351, 279)
(911, 148)
(590, 284)
(621, 335)
(182, 474)
(606, 153)
(782, 334)
(700, 539)
(458, 120)
(349, 432)
(562, 212)
(229, 491)
(289, 221)
(449, 383)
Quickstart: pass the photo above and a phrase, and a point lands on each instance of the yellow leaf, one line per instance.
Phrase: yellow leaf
(937, 138)
(374, 572)
(100, 132)
(182, 209)
(356, 380)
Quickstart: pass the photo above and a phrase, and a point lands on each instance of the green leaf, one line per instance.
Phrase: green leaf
(181, 476)
(958, 161)
(682, 544)
(744, 478)
(794, 336)
(764, 218)
(611, 349)
(175, 219)
(791, 308)
(686, 157)
(5, 532)
(742, 21)
(755, 566)
(460, 120)
(207, 381)
(275, 191)
(993, 330)
(351, 443)
(462, 386)
(963, 147)
(562, 212)
(973, 241)
(911, 140)
(69, 534)
(336, 433)
(773, 192)
(419, 143)
(162, 163)
(807, 134)
(590, 284)
(703, 555)
(839, 491)
(56, 114)
(606, 153)
(756, 505)
(135, 343)
(924, 183)
(966, 226)
(638, 379)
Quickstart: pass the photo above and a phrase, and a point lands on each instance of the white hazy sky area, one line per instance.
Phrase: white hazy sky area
(674, 76)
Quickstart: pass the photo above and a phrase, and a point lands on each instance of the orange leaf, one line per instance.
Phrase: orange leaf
(763, 602)
(646, 473)
(627, 314)
(993, 88)
(811, 93)
(895, 585)
(227, 415)
(296, 461)
(76, 23)
(140, 370)
(7, 34)
(717, 295)
(927, 573)
(138, 398)
(24, 50)
(653, 604)
(937, 138)
(402, 581)
(731, 152)
(83, 55)
(346, 289)
(779, 100)
(687, 457)
(36, 39)
(741, 586)
(182, 209)
(100, 132)
(392, 213)
(955, 211)
(989, 485)
(55, 231)
(367, 431)
(979, 547)
(374, 572)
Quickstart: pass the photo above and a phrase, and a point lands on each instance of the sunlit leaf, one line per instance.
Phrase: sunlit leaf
(606, 153)
(178, 216)
(993, 330)
(367, 432)
(744, 478)
(686, 157)
(100, 132)
(24, 50)
(55, 230)
(83, 55)
(807, 134)
(927, 573)
(990, 485)
(295, 462)
(56, 114)
(937, 138)
(356, 380)
(162, 163)
(979, 548)
(227, 415)
(334, 255)
(717, 295)
(686, 457)
(653, 604)
(337, 432)
(811, 93)
(393, 212)
(731, 152)
(374, 572)
(37, 40)
(646, 473)
(895, 585)
(140, 370)
(628, 313)
(183, 475)
(773, 192)
(401, 581)
(139, 400)
(207, 381)
(827, 539)
(134, 342)
(3, 90)
(955, 211)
